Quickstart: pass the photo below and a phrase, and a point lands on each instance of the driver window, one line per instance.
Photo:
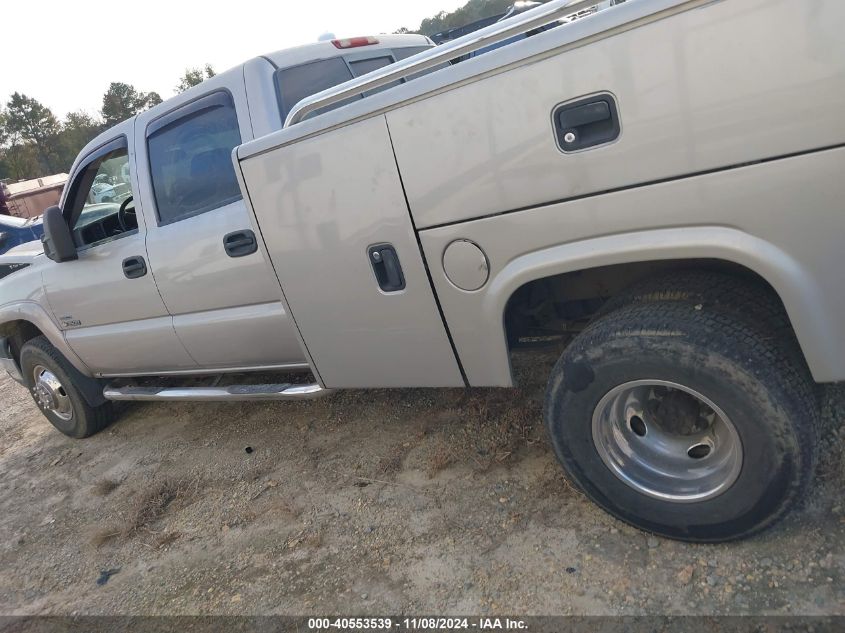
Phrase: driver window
(104, 208)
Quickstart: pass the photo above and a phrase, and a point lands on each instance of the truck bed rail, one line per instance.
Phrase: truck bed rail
(498, 32)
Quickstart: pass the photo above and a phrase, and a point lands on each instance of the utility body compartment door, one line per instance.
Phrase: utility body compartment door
(324, 206)
(722, 85)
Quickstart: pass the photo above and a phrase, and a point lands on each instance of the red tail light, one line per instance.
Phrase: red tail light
(355, 42)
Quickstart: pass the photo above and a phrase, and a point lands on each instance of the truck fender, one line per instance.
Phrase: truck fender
(805, 302)
(35, 314)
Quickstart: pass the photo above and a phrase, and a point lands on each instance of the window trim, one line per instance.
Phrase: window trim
(208, 101)
(118, 142)
(219, 97)
(106, 240)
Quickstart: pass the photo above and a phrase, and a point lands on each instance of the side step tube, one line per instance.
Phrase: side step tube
(212, 394)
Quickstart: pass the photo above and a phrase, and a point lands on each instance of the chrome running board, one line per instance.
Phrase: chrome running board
(212, 394)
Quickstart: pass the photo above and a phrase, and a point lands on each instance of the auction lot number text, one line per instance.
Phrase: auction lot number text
(415, 624)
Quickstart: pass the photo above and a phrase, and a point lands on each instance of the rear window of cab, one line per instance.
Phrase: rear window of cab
(295, 83)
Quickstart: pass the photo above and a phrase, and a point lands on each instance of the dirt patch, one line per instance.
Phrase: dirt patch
(415, 501)
(147, 508)
(104, 487)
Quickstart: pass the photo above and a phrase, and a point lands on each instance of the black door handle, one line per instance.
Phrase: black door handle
(587, 123)
(134, 267)
(386, 266)
(240, 243)
(584, 114)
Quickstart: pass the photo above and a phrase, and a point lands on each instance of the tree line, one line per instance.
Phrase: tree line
(470, 12)
(34, 142)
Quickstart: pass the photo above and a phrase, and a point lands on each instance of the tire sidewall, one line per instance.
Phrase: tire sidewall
(76, 426)
(770, 446)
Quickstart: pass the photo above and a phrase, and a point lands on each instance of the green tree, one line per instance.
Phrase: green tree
(18, 160)
(78, 129)
(152, 99)
(122, 101)
(5, 134)
(470, 12)
(27, 121)
(194, 76)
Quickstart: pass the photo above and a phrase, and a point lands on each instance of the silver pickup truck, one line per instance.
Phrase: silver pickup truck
(661, 181)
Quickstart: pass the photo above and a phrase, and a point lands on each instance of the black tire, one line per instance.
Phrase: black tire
(85, 418)
(757, 305)
(768, 398)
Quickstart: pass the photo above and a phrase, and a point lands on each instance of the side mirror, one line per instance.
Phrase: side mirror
(57, 240)
(3, 237)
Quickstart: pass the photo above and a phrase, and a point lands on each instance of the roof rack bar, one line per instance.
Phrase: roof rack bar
(531, 19)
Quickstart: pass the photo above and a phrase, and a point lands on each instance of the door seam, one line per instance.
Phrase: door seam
(424, 260)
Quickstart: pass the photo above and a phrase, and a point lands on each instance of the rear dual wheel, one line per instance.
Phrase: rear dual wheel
(684, 420)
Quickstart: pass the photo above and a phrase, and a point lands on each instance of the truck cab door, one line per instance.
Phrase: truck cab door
(337, 230)
(106, 301)
(213, 279)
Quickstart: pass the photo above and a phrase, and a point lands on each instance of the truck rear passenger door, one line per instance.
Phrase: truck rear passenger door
(333, 216)
(213, 279)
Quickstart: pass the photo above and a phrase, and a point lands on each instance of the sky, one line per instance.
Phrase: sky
(65, 54)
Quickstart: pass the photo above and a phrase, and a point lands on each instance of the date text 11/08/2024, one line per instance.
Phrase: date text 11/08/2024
(416, 624)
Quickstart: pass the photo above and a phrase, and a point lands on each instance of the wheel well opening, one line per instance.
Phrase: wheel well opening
(551, 310)
(18, 333)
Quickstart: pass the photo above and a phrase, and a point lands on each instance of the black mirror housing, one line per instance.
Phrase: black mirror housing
(57, 239)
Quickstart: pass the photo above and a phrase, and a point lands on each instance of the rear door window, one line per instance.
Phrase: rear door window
(190, 152)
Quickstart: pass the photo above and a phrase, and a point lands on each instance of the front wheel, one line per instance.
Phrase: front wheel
(684, 422)
(62, 392)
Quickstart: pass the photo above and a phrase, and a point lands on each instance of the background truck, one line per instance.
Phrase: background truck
(660, 182)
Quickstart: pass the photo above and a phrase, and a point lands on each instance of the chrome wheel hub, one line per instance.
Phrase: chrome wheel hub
(49, 393)
(667, 441)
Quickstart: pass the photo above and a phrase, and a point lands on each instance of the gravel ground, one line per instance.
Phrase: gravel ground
(366, 502)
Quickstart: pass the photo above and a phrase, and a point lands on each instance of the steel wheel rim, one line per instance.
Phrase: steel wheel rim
(648, 433)
(49, 393)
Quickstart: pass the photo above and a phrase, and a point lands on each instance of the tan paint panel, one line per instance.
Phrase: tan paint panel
(241, 336)
(320, 204)
(782, 219)
(123, 324)
(130, 347)
(724, 84)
